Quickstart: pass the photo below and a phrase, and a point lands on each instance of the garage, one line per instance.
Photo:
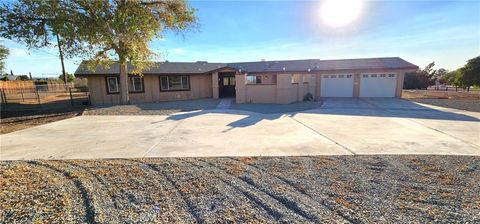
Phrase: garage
(337, 85)
(378, 85)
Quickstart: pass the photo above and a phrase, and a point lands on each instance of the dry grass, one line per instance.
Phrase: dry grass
(435, 94)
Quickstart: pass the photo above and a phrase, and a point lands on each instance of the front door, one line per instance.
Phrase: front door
(226, 84)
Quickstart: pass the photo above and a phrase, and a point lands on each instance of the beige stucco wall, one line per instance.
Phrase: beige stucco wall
(200, 87)
(400, 80)
(265, 93)
(283, 92)
(206, 86)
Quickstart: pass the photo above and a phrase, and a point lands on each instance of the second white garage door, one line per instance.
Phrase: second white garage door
(337, 85)
(378, 85)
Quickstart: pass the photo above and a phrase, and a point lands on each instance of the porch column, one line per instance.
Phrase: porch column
(215, 85)
(240, 94)
(301, 88)
(312, 84)
(284, 87)
(318, 81)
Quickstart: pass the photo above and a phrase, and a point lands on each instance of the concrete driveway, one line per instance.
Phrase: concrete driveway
(340, 126)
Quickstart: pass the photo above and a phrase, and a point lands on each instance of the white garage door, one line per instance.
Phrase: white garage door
(378, 85)
(337, 85)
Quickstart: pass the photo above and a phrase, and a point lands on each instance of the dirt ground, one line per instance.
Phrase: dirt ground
(18, 120)
(435, 94)
(332, 189)
(469, 101)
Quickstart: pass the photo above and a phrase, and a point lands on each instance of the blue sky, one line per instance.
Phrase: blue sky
(447, 32)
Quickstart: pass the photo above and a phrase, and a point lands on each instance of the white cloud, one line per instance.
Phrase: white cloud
(19, 52)
(178, 50)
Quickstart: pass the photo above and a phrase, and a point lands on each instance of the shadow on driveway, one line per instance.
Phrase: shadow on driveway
(380, 107)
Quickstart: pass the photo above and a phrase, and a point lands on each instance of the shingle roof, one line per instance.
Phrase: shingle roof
(157, 68)
(262, 66)
(364, 63)
(324, 65)
(275, 66)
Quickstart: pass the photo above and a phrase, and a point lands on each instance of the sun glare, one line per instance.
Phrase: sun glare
(338, 13)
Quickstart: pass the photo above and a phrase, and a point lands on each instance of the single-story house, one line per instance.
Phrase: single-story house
(279, 82)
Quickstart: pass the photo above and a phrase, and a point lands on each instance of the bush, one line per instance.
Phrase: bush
(308, 97)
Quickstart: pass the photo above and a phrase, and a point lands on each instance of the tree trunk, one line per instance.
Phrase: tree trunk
(124, 98)
(61, 60)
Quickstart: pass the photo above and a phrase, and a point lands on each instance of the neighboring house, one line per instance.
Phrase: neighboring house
(7, 77)
(252, 82)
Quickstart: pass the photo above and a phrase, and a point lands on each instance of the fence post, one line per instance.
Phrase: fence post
(4, 98)
(21, 91)
(38, 96)
(71, 97)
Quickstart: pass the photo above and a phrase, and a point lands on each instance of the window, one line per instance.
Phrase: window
(341, 76)
(325, 76)
(254, 79)
(391, 75)
(112, 85)
(374, 75)
(349, 76)
(135, 84)
(334, 76)
(365, 75)
(228, 80)
(382, 75)
(174, 83)
(225, 81)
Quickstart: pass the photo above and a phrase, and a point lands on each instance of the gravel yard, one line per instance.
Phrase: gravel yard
(353, 189)
(160, 108)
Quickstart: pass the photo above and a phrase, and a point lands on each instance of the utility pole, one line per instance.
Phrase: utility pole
(61, 60)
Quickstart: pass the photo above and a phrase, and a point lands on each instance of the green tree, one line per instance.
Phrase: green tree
(100, 31)
(3, 55)
(22, 77)
(70, 77)
(450, 77)
(421, 79)
(440, 76)
(470, 73)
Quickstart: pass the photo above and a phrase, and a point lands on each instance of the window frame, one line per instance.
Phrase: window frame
(130, 78)
(168, 83)
(107, 87)
(256, 78)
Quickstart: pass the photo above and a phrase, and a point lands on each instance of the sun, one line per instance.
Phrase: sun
(339, 13)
